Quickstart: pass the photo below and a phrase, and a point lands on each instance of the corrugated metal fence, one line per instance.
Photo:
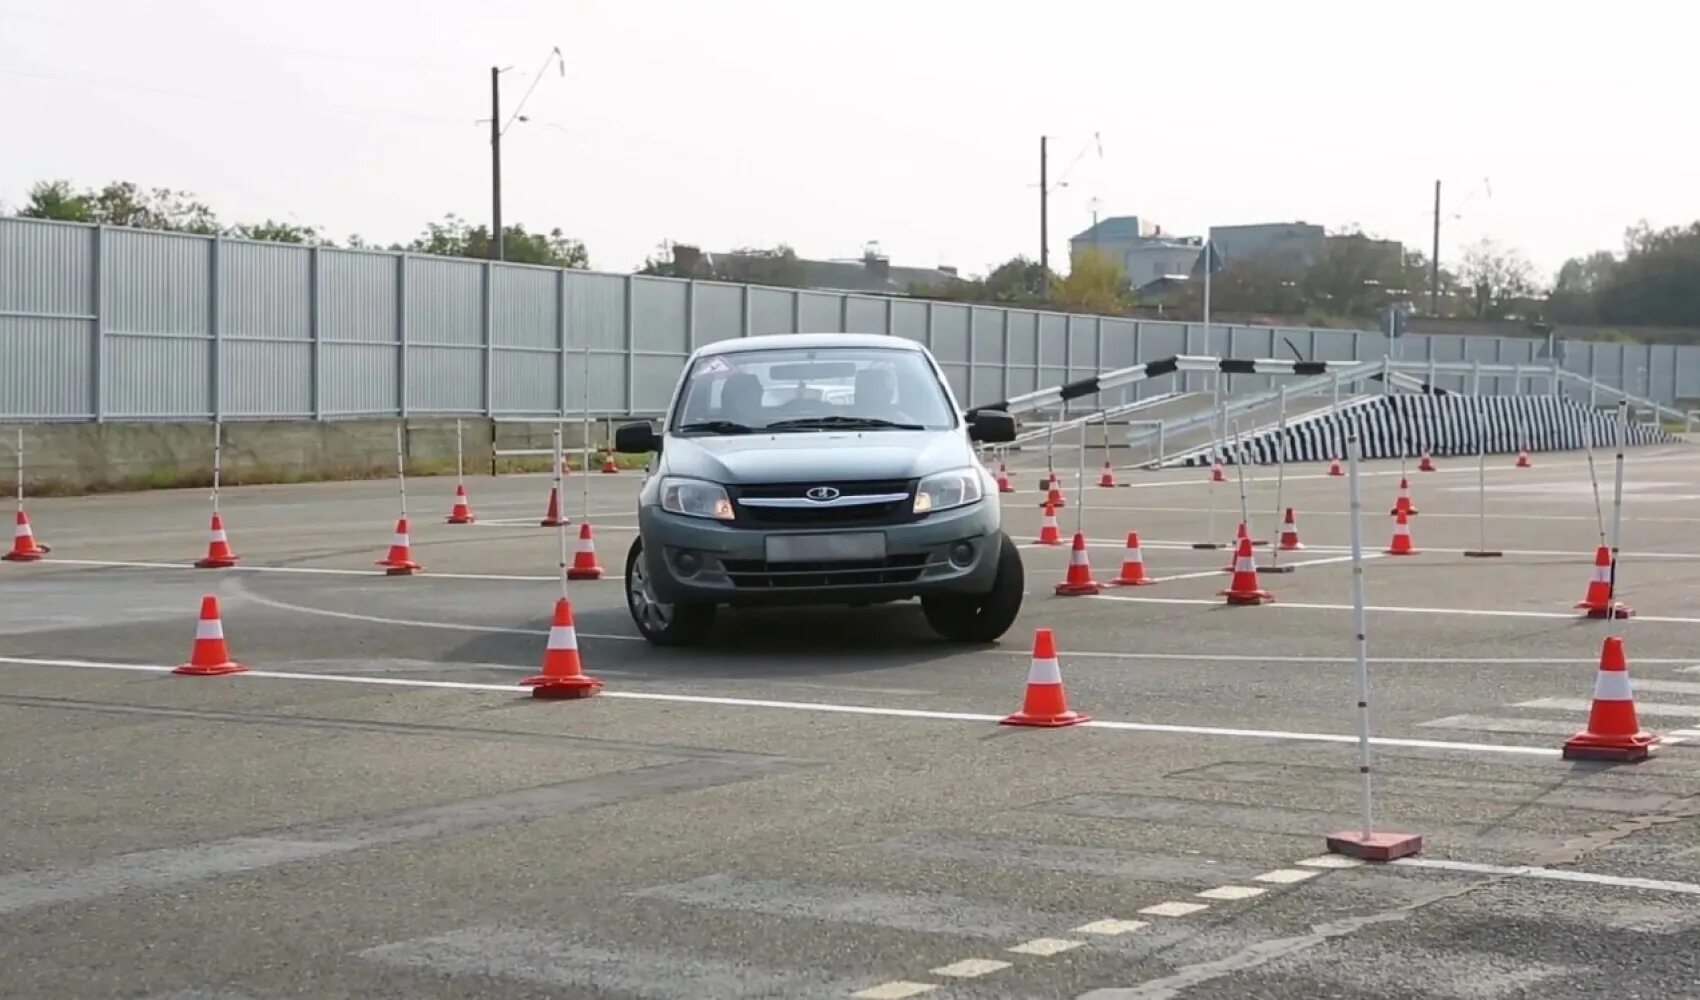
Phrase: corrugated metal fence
(99, 323)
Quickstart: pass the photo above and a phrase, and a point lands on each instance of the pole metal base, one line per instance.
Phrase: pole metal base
(1204, 546)
(1483, 554)
(1378, 847)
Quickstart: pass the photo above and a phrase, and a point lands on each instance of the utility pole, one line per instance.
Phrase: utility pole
(495, 163)
(1434, 259)
(1044, 208)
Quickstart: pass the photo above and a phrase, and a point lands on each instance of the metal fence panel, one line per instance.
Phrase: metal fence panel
(1688, 374)
(720, 312)
(653, 379)
(1023, 338)
(157, 284)
(596, 311)
(46, 268)
(266, 378)
(359, 379)
(155, 377)
(525, 306)
(909, 320)
(45, 367)
(820, 312)
(525, 382)
(445, 379)
(950, 333)
(658, 314)
(771, 311)
(445, 302)
(265, 291)
(358, 296)
(864, 315)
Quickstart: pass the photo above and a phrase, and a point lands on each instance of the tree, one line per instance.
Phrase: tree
(1496, 277)
(1018, 280)
(1358, 275)
(455, 237)
(271, 231)
(1658, 280)
(121, 203)
(1576, 290)
(1094, 284)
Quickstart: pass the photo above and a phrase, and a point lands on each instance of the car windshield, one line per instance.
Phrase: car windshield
(814, 389)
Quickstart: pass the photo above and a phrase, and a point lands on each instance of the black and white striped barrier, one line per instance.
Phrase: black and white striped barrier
(1057, 395)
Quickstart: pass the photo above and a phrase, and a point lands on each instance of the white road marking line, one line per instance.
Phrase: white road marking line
(312, 570)
(1231, 892)
(1386, 609)
(1174, 908)
(415, 623)
(1288, 876)
(1582, 705)
(1181, 546)
(1666, 687)
(1324, 861)
(1687, 734)
(1045, 947)
(1111, 927)
(1262, 564)
(825, 708)
(1498, 724)
(970, 968)
(897, 989)
(1551, 874)
(1519, 517)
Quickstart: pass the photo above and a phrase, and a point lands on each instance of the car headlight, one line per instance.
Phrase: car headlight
(695, 498)
(945, 490)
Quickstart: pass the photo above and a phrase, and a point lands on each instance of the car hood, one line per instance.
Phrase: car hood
(817, 456)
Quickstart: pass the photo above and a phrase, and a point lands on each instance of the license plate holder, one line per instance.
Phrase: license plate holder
(851, 546)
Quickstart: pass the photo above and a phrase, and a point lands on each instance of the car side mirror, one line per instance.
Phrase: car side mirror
(991, 427)
(636, 439)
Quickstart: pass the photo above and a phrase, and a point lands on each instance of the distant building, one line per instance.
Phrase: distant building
(872, 272)
(1140, 247)
(1297, 244)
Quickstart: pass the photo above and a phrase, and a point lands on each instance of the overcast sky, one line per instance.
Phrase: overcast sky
(914, 123)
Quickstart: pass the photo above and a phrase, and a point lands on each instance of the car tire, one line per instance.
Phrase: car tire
(662, 624)
(981, 618)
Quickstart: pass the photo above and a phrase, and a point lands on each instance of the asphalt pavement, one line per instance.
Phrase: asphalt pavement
(820, 803)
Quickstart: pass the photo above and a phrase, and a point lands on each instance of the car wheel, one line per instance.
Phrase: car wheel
(662, 624)
(981, 617)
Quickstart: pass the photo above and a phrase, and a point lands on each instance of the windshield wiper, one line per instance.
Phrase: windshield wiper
(808, 423)
(717, 427)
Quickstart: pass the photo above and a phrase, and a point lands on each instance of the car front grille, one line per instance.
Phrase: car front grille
(758, 574)
(809, 514)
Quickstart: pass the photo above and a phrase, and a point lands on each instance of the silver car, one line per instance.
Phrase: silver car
(818, 469)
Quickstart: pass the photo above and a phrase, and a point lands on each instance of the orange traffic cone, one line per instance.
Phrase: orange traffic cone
(1289, 540)
(1079, 580)
(219, 555)
(1107, 477)
(1401, 544)
(1523, 460)
(584, 565)
(1598, 602)
(563, 675)
(1217, 473)
(1054, 495)
(462, 511)
(1404, 502)
(24, 547)
(1244, 588)
(552, 517)
(209, 657)
(1334, 468)
(1048, 534)
(1426, 464)
(400, 560)
(1133, 565)
(1243, 534)
(1004, 485)
(1613, 732)
(1045, 703)
(608, 466)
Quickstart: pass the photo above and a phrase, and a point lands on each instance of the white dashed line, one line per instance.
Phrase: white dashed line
(895, 990)
(1045, 947)
(1288, 876)
(1111, 928)
(970, 968)
(1323, 861)
(1174, 909)
(1230, 892)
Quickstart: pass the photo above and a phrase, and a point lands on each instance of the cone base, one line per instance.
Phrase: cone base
(1401, 552)
(1056, 504)
(584, 573)
(1611, 611)
(401, 568)
(1079, 589)
(1006, 489)
(1295, 547)
(459, 519)
(216, 562)
(1048, 541)
(1409, 512)
(16, 556)
(1587, 746)
(1482, 553)
(209, 669)
(1427, 468)
(553, 522)
(1141, 582)
(564, 688)
(1375, 846)
(1045, 721)
(1247, 596)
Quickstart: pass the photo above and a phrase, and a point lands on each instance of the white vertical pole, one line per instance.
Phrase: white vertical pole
(460, 466)
(1360, 627)
(1280, 476)
(218, 460)
(1239, 466)
(1617, 494)
(1481, 480)
(20, 458)
(1080, 485)
(400, 471)
(585, 477)
(561, 526)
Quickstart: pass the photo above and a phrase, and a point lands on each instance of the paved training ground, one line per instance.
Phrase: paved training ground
(822, 804)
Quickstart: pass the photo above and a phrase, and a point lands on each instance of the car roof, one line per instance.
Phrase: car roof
(805, 341)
